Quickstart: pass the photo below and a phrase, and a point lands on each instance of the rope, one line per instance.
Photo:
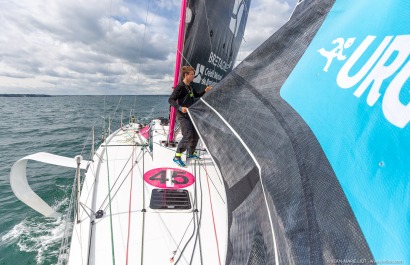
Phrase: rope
(64, 241)
(110, 189)
(115, 111)
(186, 244)
(175, 251)
(109, 203)
(198, 235)
(129, 209)
(214, 184)
(143, 205)
(213, 218)
(115, 194)
(146, 26)
(197, 224)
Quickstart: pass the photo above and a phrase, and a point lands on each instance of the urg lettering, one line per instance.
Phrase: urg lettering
(390, 60)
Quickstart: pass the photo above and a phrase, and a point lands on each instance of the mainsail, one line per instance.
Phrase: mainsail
(311, 135)
(213, 35)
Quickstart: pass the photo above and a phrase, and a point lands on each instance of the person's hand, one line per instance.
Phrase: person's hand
(184, 109)
(208, 88)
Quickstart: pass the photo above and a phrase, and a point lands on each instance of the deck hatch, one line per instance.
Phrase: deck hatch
(170, 199)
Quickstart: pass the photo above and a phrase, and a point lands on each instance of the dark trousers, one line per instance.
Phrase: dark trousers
(190, 137)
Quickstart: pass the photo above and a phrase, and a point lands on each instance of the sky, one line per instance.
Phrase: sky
(101, 47)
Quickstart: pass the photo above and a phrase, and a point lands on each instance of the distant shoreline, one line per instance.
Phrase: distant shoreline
(23, 95)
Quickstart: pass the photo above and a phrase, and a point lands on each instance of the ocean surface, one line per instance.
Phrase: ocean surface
(60, 125)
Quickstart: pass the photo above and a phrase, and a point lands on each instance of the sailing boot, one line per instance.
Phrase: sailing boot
(177, 160)
(194, 156)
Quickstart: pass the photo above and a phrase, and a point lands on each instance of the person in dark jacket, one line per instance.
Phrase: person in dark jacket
(182, 98)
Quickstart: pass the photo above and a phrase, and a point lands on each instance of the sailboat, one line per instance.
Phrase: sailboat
(133, 204)
(308, 137)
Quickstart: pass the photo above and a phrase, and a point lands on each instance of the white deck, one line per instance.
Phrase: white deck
(127, 234)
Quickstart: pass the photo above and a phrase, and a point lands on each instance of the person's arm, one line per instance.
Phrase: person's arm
(200, 94)
(172, 100)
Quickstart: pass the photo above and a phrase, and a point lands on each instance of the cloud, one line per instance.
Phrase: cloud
(94, 47)
(265, 17)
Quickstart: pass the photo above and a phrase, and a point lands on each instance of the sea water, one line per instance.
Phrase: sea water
(60, 125)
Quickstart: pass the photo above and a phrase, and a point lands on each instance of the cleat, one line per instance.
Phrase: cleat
(179, 162)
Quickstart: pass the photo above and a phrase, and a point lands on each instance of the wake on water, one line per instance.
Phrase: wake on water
(40, 234)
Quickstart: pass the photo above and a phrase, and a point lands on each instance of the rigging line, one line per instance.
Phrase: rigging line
(143, 205)
(146, 25)
(90, 189)
(260, 174)
(132, 136)
(213, 218)
(106, 48)
(85, 208)
(195, 192)
(218, 173)
(110, 189)
(183, 57)
(135, 103)
(103, 122)
(196, 227)
(120, 185)
(129, 208)
(109, 203)
(182, 238)
(186, 244)
(89, 242)
(198, 235)
(195, 126)
(200, 214)
(64, 240)
(141, 47)
(115, 112)
(85, 142)
(206, 171)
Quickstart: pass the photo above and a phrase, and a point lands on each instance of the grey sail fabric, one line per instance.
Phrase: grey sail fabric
(285, 203)
(213, 35)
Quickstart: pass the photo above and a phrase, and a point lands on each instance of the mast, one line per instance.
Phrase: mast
(173, 112)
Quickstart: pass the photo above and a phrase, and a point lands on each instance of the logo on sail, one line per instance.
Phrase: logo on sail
(388, 65)
(206, 76)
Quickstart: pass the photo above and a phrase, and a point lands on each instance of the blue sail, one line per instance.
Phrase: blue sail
(311, 136)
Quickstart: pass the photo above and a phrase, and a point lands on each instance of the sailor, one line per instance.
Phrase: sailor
(182, 98)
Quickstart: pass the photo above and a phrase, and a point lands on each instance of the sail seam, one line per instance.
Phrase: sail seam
(259, 168)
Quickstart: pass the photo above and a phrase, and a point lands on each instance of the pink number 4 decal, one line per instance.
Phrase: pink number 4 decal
(169, 178)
